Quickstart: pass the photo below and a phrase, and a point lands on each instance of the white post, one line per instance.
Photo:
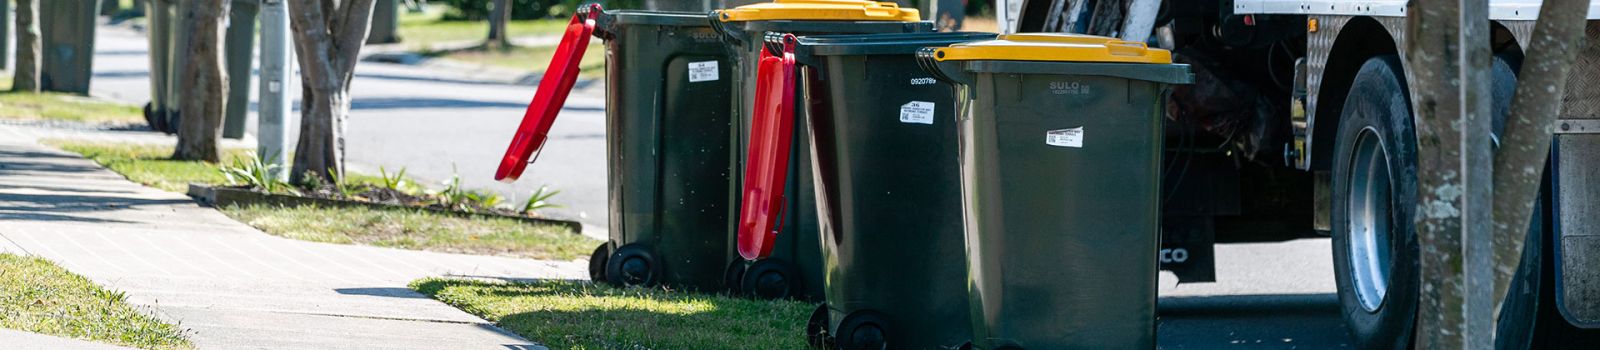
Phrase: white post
(277, 76)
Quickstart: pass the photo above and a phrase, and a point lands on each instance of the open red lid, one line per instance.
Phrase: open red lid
(550, 96)
(767, 168)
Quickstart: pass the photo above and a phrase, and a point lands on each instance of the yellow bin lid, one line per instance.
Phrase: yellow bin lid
(1054, 47)
(820, 10)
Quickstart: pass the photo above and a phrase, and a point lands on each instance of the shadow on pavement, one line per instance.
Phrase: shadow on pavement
(1290, 321)
(444, 103)
(121, 74)
(390, 292)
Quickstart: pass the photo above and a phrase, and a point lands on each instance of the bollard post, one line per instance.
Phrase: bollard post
(276, 79)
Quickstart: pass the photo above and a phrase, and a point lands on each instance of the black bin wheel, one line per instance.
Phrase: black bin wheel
(634, 265)
(771, 279)
(862, 330)
(817, 328)
(733, 277)
(597, 263)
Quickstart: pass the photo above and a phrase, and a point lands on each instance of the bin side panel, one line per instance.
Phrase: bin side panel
(889, 200)
(1069, 219)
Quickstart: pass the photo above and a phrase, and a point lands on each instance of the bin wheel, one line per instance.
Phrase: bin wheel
(733, 277)
(817, 328)
(862, 330)
(150, 116)
(771, 279)
(633, 265)
(597, 263)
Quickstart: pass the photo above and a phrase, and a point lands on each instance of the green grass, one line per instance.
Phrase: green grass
(417, 230)
(149, 165)
(38, 296)
(533, 59)
(398, 228)
(64, 107)
(575, 315)
(423, 30)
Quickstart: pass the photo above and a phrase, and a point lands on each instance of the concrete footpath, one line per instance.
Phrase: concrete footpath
(230, 284)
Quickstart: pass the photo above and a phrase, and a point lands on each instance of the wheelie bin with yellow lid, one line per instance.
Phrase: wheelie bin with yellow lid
(778, 208)
(1060, 148)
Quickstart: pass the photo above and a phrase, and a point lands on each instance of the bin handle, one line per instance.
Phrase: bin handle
(767, 166)
(552, 93)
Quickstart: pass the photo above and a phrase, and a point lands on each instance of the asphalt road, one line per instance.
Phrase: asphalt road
(437, 122)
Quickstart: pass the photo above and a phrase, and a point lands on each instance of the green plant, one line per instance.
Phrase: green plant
(255, 172)
(394, 182)
(453, 196)
(540, 199)
(345, 187)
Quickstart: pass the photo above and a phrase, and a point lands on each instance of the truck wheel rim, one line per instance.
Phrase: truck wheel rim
(1369, 219)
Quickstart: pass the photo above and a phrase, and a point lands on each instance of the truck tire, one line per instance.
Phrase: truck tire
(1374, 184)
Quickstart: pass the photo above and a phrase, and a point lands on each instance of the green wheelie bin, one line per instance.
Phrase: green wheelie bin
(883, 135)
(668, 139)
(67, 37)
(159, 14)
(1061, 175)
(791, 265)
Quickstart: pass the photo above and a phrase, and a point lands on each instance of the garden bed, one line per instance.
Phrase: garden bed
(222, 196)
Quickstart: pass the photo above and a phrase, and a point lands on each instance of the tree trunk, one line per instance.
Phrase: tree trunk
(29, 49)
(1447, 47)
(328, 35)
(204, 81)
(498, 17)
(1519, 165)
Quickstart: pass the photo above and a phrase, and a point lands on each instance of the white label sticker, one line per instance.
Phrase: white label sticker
(1065, 137)
(917, 112)
(703, 71)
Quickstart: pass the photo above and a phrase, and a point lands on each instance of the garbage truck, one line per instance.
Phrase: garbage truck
(1299, 125)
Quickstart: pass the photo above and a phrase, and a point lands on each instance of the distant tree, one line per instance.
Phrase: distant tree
(498, 17)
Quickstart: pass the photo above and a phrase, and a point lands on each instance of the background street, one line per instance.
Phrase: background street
(436, 121)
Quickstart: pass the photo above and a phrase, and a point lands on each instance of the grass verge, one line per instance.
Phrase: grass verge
(398, 227)
(527, 58)
(417, 230)
(575, 315)
(38, 296)
(423, 30)
(64, 107)
(149, 165)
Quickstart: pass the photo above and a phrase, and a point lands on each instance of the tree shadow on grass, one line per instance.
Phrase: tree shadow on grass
(570, 314)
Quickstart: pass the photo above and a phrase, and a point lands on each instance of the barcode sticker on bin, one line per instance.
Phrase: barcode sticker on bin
(703, 71)
(1065, 137)
(917, 112)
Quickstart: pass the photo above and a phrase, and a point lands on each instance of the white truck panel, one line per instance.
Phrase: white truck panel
(1504, 10)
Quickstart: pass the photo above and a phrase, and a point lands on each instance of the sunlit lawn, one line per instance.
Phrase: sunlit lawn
(64, 107)
(38, 296)
(398, 228)
(577, 315)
